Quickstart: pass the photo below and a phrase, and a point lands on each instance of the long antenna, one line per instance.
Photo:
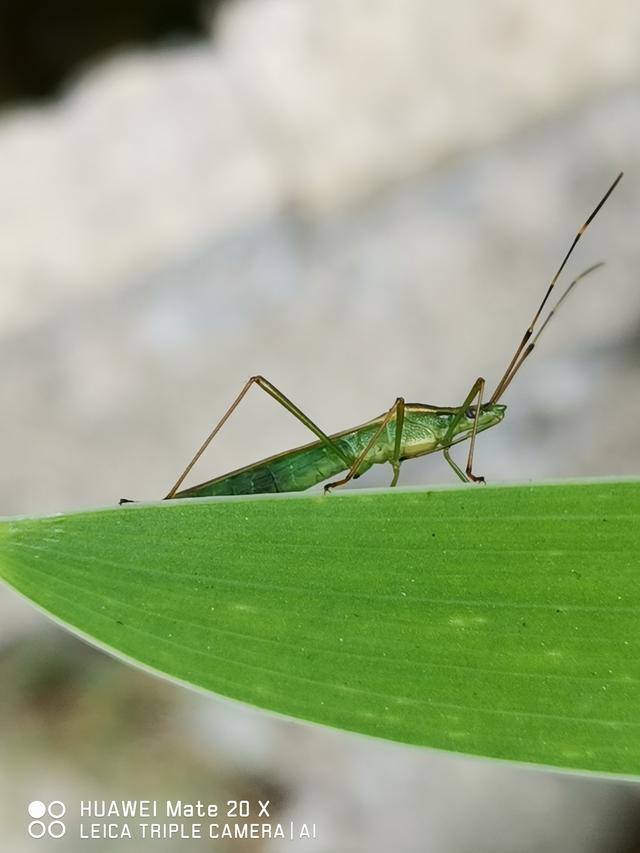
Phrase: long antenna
(509, 372)
(506, 381)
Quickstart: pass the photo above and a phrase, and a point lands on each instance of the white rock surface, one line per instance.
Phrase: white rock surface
(295, 105)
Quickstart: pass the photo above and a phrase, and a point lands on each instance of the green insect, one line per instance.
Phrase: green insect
(406, 431)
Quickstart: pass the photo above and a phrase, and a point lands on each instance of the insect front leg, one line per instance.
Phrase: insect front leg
(474, 433)
(476, 393)
(355, 469)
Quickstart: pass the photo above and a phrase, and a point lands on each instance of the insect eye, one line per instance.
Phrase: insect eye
(470, 413)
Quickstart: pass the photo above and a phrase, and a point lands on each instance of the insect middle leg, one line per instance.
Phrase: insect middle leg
(397, 448)
(354, 471)
(279, 397)
(476, 393)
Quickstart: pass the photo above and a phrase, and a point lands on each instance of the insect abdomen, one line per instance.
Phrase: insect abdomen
(289, 472)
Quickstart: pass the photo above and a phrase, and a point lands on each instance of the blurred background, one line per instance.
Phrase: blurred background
(359, 199)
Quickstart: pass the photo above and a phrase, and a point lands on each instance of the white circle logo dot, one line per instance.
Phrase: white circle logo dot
(56, 829)
(37, 829)
(56, 808)
(36, 809)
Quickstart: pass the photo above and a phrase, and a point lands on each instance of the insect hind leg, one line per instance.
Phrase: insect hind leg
(280, 398)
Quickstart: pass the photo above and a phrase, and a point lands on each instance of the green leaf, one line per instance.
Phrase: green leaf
(501, 621)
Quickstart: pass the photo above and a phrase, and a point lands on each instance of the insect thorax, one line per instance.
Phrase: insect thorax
(426, 428)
